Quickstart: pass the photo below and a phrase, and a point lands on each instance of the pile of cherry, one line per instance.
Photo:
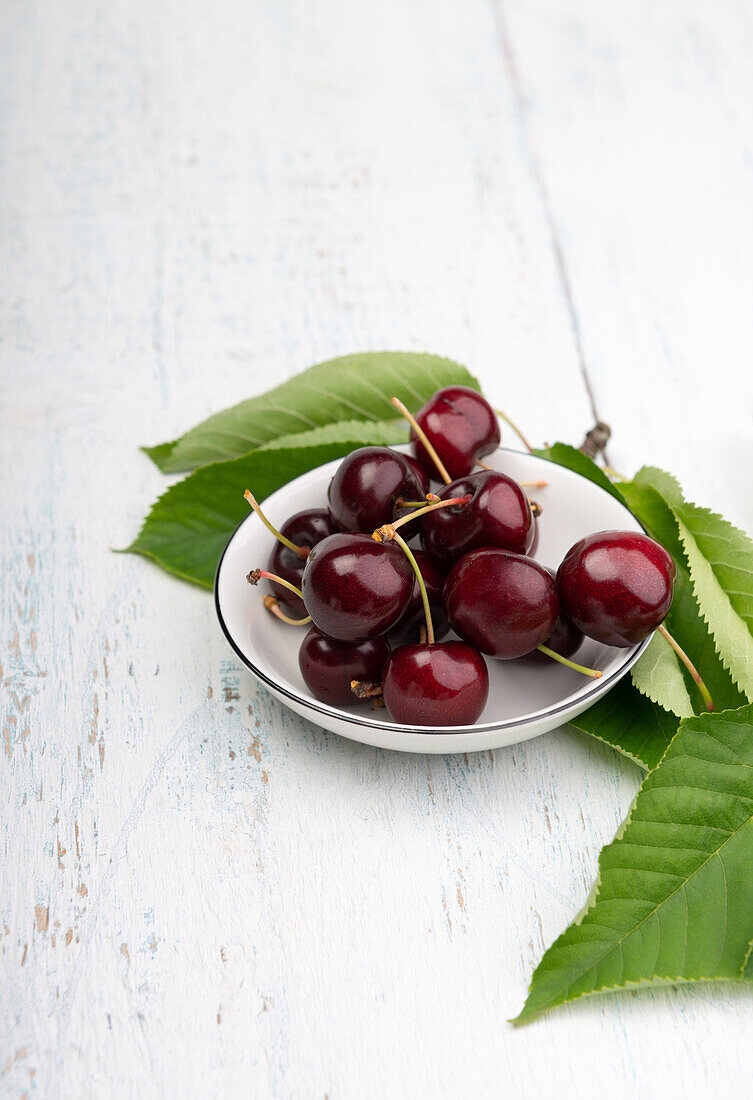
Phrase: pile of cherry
(390, 567)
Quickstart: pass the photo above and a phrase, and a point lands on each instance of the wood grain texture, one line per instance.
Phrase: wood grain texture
(200, 893)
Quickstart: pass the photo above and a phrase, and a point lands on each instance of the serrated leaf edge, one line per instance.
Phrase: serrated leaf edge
(518, 1021)
(685, 534)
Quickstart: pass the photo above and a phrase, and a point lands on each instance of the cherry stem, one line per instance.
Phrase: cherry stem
(301, 551)
(515, 428)
(423, 437)
(273, 604)
(256, 575)
(689, 666)
(387, 533)
(592, 672)
(424, 594)
(430, 498)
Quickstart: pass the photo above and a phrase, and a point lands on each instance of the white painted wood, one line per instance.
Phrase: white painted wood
(201, 894)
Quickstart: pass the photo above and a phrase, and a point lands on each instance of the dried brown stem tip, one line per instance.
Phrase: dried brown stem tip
(254, 576)
(365, 689)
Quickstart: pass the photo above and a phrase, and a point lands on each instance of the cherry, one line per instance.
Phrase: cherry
(305, 529)
(504, 604)
(365, 490)
(434, 579)
(445, 684)
(461, 426)
(566, 638)
(355, 588)
(424, 479)
(328, 666)
(497, 514)
(616, 586)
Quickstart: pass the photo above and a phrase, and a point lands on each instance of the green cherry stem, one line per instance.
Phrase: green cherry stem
(256, 575)
(301, 551)
(430, 498)
(592, 672)
(386, 533)
(424, 595)
(423, 437)
(515, 428)
(689, 666)
(273, 604)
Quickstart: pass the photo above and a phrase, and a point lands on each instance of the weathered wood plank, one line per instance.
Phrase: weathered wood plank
(199, 892)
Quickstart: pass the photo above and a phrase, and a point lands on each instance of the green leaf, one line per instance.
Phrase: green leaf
(667, 485)
(654, 512)
(354, 387)
(361, 433)
(657, 674)
(720, 559)
(673, 901)
(565, 455)
(630, 723)
(684, 621)
(187, 528)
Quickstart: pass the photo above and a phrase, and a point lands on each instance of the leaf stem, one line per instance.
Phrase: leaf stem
(301, 551)
(614, 473)
(387, 532)
(273, 604)
(422, 587)
(592, 672)
(689, 666)
(423, 438)
(256, 574)
(515, 428)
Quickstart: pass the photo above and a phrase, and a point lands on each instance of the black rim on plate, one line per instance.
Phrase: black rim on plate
(600, 686)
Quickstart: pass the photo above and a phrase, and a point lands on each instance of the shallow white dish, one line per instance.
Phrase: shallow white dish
(525, 698)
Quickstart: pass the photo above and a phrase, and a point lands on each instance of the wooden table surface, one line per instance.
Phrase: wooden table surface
(200, 893)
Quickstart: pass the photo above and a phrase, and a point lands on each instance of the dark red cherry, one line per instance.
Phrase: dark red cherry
(355, 588)
(616, 586)
(363, 493)
(424, 479)
(414, 617)
(503, 604)
(328, 666)
(566, 639)
(498, 514)
(462, 428)
(445, 684)
(410, 530)
(305, 529)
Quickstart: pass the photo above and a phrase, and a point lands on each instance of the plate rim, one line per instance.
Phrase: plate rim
(601, 686)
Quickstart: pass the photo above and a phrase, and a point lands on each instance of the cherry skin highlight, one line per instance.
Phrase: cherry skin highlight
(616, 586)
(364, 492)
(328, 666)
(355, 588)
(461, 426)
(498, 514)
(305, 529)
(445, 684)
(503, 604)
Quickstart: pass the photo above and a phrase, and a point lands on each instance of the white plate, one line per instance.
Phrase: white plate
(525, 698)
